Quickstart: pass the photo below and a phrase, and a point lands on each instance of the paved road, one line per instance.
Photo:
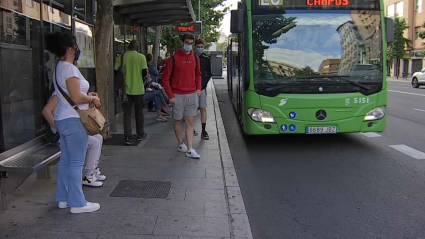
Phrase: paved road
(335, 186)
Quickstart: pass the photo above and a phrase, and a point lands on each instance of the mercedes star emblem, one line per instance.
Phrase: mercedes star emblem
(321, 115)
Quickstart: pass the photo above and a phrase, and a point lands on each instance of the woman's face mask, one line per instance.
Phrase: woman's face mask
(77, 53)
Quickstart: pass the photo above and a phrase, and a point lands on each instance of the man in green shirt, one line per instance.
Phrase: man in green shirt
(135, 68)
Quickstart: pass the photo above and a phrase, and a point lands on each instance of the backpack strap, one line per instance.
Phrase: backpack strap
(173, 62)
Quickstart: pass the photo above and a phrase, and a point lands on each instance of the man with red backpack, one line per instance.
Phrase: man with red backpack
(182, 82)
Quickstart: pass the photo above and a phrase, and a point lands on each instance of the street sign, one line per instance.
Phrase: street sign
(194, 28)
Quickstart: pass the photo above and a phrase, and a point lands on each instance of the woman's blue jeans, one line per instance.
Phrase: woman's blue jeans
(154, 96)
(73, 145)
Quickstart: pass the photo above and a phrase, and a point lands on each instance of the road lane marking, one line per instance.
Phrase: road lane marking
(409, 151)
(371, 135)
(418, 109)
(407, 93)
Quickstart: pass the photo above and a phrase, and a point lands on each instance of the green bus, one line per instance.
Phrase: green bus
(309, 66)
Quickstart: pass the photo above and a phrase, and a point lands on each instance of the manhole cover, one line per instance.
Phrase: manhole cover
(141, 189)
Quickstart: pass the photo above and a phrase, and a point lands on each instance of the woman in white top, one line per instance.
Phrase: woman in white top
(73, 135)
(93, 176)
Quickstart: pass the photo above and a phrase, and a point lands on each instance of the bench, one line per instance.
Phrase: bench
(17, 164)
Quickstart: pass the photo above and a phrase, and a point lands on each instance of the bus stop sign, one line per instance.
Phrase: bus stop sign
(194, 28)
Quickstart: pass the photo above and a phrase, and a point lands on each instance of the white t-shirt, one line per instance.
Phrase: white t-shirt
(65, 71)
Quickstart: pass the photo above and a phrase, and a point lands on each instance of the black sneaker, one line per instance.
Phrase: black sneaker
(140, 138)
(195, 133)
(165, 113)
(204, 135)
(128, 141)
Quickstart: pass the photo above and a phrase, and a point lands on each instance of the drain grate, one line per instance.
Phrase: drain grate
(141, 189)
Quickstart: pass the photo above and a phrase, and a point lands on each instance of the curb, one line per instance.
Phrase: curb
(238, 219)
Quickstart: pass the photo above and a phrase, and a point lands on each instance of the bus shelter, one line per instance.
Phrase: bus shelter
(138, 15)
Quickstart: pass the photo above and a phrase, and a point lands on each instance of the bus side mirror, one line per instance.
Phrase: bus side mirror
(390, 29)
(236, 21)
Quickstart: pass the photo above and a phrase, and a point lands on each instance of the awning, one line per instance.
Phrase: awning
(149, 13)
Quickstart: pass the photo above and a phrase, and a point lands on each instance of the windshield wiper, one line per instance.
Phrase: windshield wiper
(279, 87)
(344, 78)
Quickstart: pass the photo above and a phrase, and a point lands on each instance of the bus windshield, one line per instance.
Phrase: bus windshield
(306, 47)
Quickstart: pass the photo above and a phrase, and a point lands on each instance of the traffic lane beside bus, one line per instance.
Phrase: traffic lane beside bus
(405, 120)
(321, 186)
(407, 105)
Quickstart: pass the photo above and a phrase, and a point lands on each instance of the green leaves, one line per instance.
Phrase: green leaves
(396, 49)
(211, 18)
(422, 36)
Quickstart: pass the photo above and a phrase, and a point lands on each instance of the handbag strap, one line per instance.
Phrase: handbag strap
(63, 93)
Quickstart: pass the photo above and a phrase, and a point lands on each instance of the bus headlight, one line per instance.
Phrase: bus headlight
(375, 114)
(261, 115)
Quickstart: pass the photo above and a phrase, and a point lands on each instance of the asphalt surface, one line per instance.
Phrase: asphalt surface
(335, 186)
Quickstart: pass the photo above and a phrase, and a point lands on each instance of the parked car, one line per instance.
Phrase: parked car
(418, 78)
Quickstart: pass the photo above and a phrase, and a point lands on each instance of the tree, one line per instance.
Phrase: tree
(103, 35)
(306, 71)
(211, 17)
(396, 50)
(268, 31)
(222, 46)
(422, 36)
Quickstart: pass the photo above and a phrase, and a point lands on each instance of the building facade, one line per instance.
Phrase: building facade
(360, 40)
(329, 67)
(414, 13)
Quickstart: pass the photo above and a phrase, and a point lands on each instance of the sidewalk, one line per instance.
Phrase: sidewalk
(204, 200)
(400, 79)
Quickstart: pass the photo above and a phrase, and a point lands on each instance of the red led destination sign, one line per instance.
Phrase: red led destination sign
(277, 6)
(328, 2)
(193, 28)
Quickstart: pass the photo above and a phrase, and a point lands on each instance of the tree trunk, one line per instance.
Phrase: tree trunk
(397, 68)
(103, 40)
(155, 50)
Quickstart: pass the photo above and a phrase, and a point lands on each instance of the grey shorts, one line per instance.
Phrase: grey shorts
(185, 105)
(203, 99)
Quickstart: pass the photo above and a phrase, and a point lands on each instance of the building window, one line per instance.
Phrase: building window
(391, 10)
(9, 22)
(418, 6)
(399, 9)
(417, 30)
(29, 3)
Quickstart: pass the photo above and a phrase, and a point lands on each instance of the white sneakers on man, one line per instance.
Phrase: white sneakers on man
(189, 153)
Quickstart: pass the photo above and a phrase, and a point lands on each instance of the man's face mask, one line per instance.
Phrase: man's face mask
(188, 46)
(199, 50)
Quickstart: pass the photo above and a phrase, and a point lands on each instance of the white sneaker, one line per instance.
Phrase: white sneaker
(193, 154)
(182, 148)
(90, 207)
(99, 175)
(62, 205)
(92, 182)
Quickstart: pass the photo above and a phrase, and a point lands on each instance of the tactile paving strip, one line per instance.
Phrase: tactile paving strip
(141, 189)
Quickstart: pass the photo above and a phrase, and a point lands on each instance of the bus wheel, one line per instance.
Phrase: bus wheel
(415, 83)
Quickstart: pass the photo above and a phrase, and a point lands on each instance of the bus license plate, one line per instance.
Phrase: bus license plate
(322, 130)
